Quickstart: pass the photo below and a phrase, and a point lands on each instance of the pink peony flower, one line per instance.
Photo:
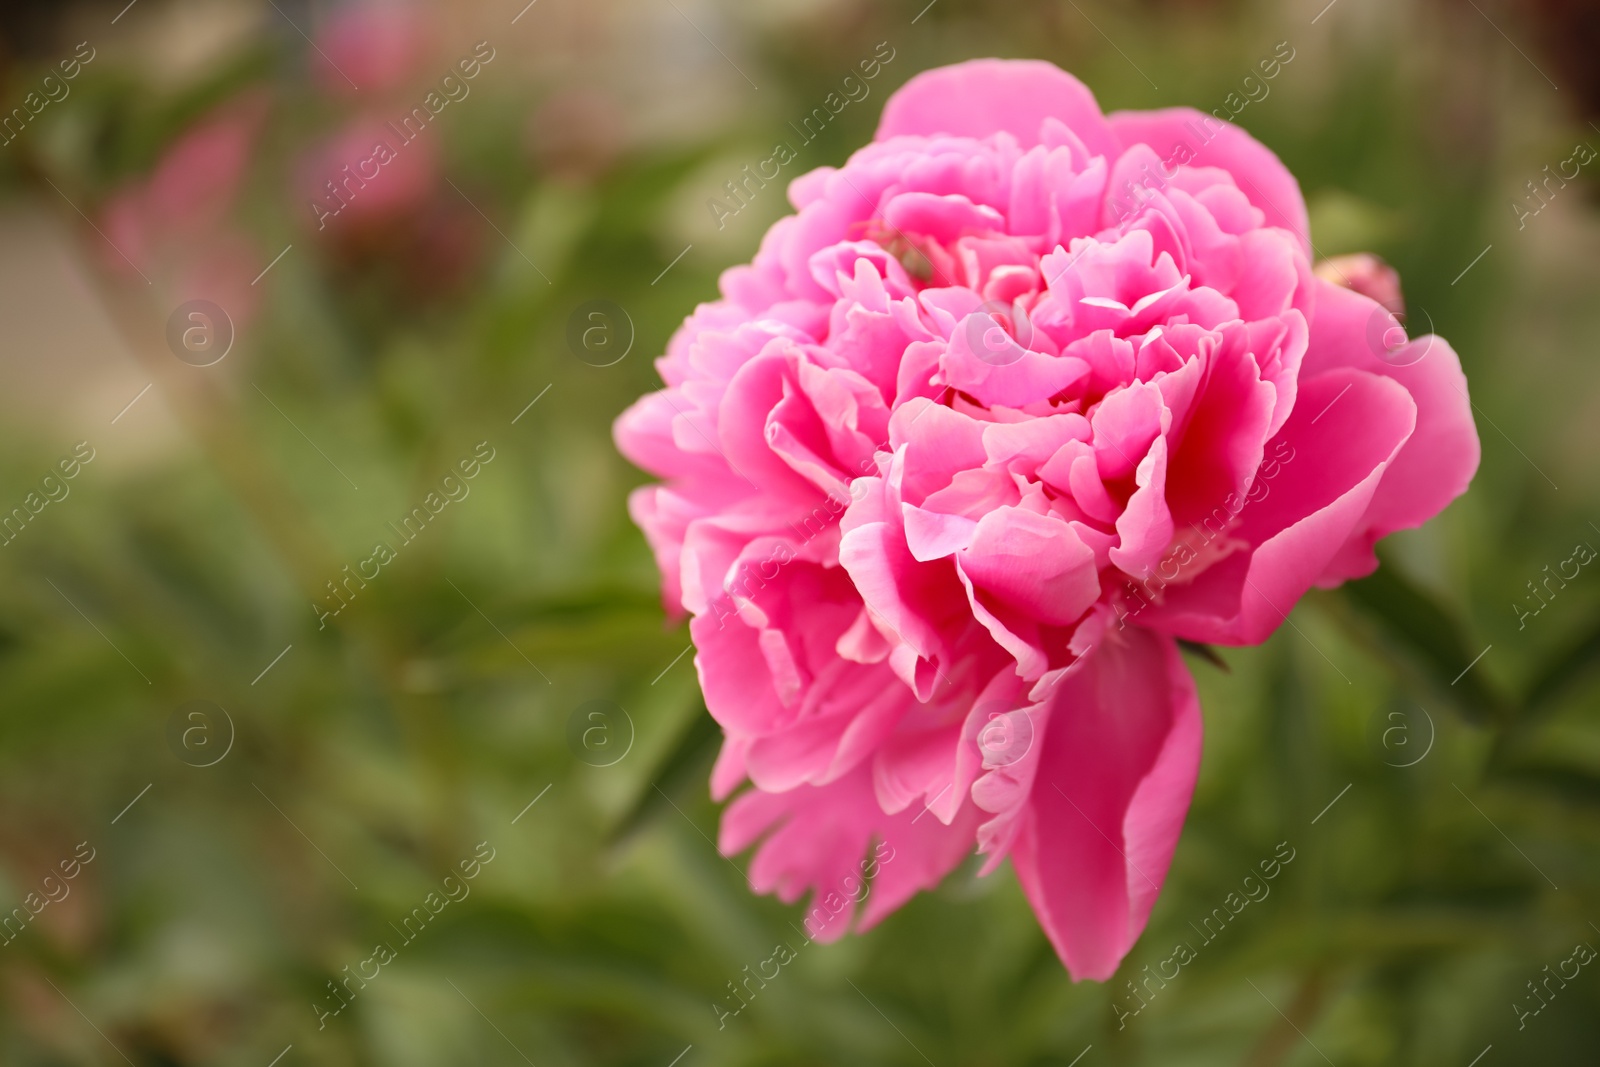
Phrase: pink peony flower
(1021, 395)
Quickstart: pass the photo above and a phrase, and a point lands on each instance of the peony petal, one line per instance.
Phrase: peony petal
(835, 842)
(1117, 769)
(1349, 425)
(986, 96)
(1184, 135)
(1144, 528)
(1438, 462)
(1034, 564)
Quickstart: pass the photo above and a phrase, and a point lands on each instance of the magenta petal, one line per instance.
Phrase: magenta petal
(1034, 564)
(1145, 525)
(1260, 175)
(944, 218)
(1125, 425)
(836, 843)
(1111, 790)
(728, 772)
(1439, 460)
(1349, 425)
(1226, 430)
(985, 96)
(985, 363)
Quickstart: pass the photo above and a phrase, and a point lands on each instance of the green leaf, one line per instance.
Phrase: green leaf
(1432, 638)
(1205, 652)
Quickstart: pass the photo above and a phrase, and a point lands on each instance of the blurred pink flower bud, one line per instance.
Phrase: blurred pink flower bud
(367, 173)
(377, 46)
(174, 224)
(1366, 274)
(197, 179)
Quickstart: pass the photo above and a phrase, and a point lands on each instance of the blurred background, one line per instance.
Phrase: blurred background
(241, 746)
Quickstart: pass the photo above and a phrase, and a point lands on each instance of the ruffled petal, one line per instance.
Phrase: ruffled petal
(1183, 135)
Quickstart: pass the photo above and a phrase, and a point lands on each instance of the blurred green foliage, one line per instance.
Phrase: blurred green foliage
(382, 748)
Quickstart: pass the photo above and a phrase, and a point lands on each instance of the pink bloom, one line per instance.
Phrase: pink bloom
(176, 223)
(377, 46)
(1022, 394)
(368, 174)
